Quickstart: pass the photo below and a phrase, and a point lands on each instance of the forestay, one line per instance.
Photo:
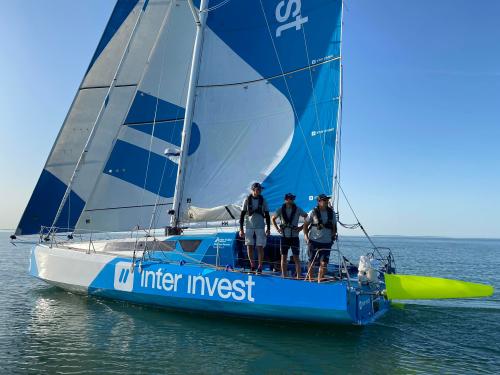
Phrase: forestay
(267, 103)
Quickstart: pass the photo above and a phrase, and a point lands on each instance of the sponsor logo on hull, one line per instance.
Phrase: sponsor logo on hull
(124, 277)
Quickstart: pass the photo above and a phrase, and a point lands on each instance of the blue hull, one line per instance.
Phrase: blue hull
(165, 279)
(203, 289)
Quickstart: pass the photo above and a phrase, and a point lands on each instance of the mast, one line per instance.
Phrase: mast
(200, 19)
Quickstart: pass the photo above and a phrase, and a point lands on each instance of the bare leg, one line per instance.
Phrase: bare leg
(250, 255)
(260, 249)
(322, 270)
(297, 266)
(284, 266)
(310, 271)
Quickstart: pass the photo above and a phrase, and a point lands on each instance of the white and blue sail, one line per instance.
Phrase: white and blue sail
(134, 85)
(267, 103)
(266, 109)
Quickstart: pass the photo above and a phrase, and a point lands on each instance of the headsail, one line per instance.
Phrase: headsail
(267, 102)
(137, 182)
(134, 79)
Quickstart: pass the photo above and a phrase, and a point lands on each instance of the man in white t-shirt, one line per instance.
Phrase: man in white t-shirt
(255, 210)
(320, 231)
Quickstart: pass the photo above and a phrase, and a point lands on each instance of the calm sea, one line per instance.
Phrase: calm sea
(46, 330)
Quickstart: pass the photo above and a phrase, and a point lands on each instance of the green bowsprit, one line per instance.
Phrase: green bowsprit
(425, 287)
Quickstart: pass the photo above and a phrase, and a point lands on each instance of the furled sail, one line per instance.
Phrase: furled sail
(128, 109)
(267, 103)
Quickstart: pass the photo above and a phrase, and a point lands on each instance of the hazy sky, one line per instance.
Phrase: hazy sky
(421, 129)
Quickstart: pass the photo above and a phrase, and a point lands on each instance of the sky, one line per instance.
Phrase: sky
(421, 107)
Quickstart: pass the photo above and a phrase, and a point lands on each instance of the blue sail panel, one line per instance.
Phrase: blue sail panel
(171, 132)
(148, 108)
(43, 204)
(127, 162)
(307, 168)
(273, 36)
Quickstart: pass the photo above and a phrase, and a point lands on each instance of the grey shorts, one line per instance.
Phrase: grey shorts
(260, 237)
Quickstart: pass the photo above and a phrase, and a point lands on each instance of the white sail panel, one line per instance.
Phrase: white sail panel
(238, 145)
(107, 57)
(98, 150)
(221, 213)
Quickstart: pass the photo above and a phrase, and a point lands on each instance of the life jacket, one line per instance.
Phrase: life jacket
(259, 209)
(329, 224)
(287, 221)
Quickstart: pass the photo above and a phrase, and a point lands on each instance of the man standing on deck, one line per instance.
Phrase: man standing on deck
(320, 231)
(289, 229)
(254, 211)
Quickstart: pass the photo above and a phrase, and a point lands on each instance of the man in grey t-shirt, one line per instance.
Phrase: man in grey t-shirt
(320, 231)
(289, 229)
(254, 211)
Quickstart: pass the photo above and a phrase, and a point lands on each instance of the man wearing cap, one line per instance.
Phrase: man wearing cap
(254, 211)
(289, 214)
(320, 231)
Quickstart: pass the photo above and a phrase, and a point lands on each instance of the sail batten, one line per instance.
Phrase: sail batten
(281, 75)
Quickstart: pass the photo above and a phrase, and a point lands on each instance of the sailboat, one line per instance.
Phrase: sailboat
(184, 105)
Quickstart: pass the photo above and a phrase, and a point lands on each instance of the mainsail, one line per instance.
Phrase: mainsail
(267, 104)
(106, 147)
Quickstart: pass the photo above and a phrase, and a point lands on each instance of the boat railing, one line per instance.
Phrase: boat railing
(343, 269)
(64, 237)
(145, 245)
(385, 257)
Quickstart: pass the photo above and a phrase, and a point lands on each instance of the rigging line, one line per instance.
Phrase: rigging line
(339, 152)
(154, 119)
(158, 122)
(98, 118)
(69, 210)
(322, 136)
(181, 94)
(105, 87)
(290, 94)
(217, 6)
(338, 149)
(153, 215)
(122, 207)
(355, 216)
(332, 116)
(326, 61)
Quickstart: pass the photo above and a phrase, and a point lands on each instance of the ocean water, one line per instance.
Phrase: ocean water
(46, 330)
